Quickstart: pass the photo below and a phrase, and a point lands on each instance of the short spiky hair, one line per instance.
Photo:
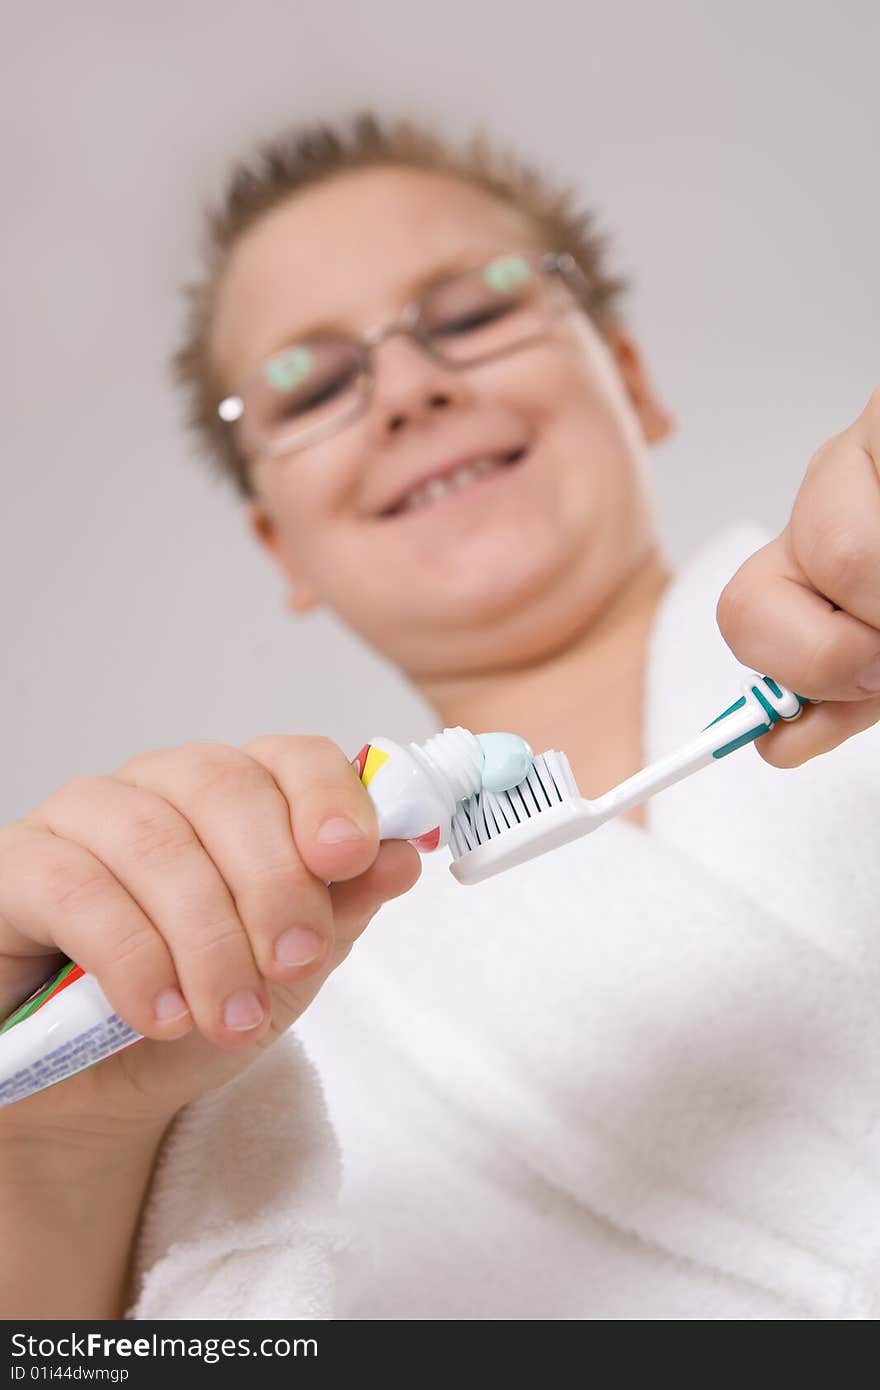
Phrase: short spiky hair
(306, 155)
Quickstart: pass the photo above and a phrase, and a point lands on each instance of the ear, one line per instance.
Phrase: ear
(301, 597)
(656, 421)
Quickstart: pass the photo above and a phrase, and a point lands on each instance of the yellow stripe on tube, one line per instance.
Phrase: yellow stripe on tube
(375, 759)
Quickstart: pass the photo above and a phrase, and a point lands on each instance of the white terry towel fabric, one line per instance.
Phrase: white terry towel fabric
(241, 1219)
(634, 1078)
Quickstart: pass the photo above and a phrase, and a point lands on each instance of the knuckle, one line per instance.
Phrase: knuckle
(263, 746)
(322, 744)
(27, 847)
(143, 759)
(280, 896)
(269, 747)
(128, 946)
(827, 456)
(839, 560)
(293, 999)
(76, 790)
(217, 767)
(279, 875)
(824, 454)
(158, 836)
(70, 889)
(732, 610)
(215, 935)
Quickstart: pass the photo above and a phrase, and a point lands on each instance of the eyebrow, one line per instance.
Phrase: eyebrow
(454, 266)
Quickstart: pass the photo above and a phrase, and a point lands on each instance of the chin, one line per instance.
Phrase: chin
(497, 593)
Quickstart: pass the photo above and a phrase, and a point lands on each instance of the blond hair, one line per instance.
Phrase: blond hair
(306, 155)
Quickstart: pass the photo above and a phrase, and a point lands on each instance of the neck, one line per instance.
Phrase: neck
(587, 699)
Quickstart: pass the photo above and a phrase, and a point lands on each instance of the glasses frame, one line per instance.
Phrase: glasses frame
(553, 263)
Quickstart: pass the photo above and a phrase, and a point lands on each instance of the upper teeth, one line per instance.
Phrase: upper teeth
(438, 487)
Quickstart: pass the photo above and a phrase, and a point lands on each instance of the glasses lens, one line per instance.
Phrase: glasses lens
(302, 388)
(487, 310)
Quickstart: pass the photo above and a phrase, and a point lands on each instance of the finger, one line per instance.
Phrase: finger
(244, 821)
(154, 852)
(775, 622)
(835, 523)
(818, 729)
(334, 821)
(58, 895)
(395, 870)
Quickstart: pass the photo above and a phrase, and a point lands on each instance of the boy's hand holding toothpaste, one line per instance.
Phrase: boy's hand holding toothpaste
(202, 869)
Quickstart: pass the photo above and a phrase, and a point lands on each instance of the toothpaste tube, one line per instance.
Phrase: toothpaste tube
(65, 1026)
(68, 1024)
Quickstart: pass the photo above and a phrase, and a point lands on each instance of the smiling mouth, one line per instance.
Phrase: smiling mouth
(460, 480)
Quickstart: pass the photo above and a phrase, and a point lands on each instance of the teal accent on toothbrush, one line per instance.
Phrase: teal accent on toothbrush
(739, 742)
(494, 831)
(773, 715)
(730, 709)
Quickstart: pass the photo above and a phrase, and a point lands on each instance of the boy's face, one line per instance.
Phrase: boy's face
(509, 567)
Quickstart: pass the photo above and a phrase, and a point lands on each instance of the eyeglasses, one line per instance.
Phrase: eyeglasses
(318, 385)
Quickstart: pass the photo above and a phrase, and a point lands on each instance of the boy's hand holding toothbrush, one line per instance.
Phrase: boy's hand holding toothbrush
(240, 876)
(806, 607)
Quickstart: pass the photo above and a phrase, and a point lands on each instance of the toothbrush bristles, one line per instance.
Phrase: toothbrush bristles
(489, 814)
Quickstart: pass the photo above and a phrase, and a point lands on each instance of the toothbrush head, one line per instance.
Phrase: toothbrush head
(493, 831)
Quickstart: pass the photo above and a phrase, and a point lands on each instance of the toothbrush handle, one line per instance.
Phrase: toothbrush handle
(762, 704)
(776, 702)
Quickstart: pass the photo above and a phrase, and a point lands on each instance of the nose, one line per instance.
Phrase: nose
(410, 386)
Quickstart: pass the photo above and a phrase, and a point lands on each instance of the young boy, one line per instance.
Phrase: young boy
(412, 364)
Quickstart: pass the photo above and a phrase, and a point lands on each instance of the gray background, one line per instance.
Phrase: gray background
(731, 149)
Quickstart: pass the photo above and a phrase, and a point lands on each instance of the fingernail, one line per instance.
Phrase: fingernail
(298, 946)
(337, 829)
(242, 1010)
(870, 677)
(169, 1005)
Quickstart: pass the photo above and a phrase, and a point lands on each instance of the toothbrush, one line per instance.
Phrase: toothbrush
(494, 831)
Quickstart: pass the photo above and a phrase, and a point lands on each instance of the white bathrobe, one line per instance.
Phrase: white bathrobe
(637, 1077)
